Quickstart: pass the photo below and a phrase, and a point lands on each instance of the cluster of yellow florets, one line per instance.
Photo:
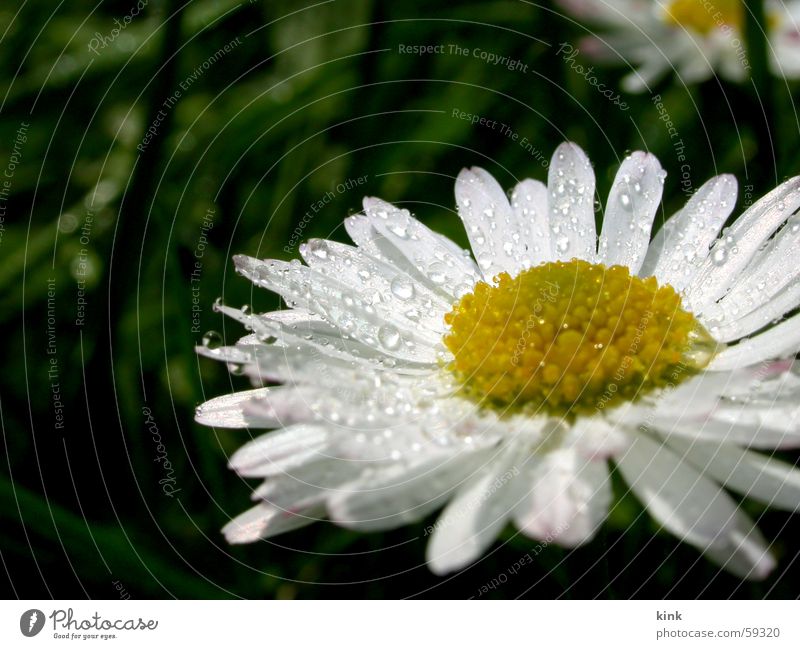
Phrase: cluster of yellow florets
(568, 337)
(703, 17)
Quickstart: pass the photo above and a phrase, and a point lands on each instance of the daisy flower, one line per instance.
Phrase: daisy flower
(695, 38)
(504, 387)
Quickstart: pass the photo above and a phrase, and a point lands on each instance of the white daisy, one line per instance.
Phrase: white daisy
(413, 378)
(694, 38)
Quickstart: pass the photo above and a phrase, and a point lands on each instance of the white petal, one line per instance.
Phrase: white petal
(264, 521)
(302, 330)
(472, 520)
(430, 257)
(767, 288)
(359, 229)
(596, 438)
(284, 364)
(645, 75)
(755, 475)
(399, 495)
(400, 294)
(529, 202)
(694, 399)
(279, 451)
(760, 401)
(570, 185)
(567, 501)
(693, 508)
(227, 411)
(746, 555)
(780, 341)
(490, 223)
(679, 249)
(240, 354)
(780, 415)
(356, 314)
(696, 66)
(630, 210)
(308, 485)
(734, 328)
(767, 384)
(734, 251)
(746, 434)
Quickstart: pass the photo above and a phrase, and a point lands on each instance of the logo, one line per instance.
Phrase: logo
(31, 622)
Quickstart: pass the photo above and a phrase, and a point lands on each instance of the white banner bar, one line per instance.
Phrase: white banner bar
(405, 624)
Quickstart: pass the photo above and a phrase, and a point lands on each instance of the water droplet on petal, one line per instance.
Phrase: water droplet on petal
(318, 248)
(212, 340)
(402, 287)
(436, 272)
(389, 337)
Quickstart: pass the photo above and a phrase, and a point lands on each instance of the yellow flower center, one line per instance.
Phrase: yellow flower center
(568, 338)
(703, 17)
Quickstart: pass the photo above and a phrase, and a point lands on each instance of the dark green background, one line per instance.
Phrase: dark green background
(311, 96)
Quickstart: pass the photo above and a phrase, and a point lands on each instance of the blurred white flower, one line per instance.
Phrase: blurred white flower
(694, 38)
(413, 378)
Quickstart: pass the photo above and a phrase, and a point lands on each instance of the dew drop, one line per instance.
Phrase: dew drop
(389, 337)
(402, 288)
(399, 230)
(212, 340)
(319, 249)
(436, 272)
